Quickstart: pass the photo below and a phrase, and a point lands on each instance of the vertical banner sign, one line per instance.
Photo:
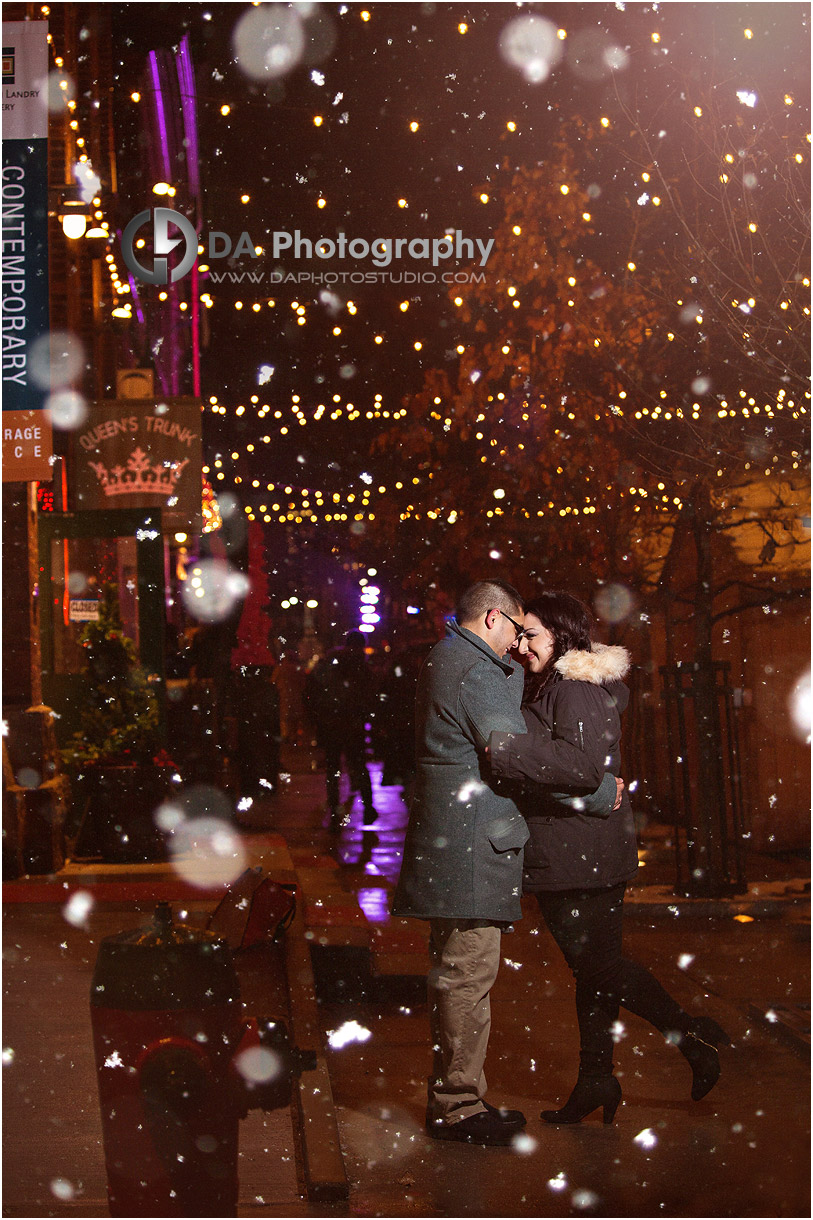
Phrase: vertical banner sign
(27, 433)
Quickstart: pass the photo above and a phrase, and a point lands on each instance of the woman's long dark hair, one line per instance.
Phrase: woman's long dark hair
(569, 622)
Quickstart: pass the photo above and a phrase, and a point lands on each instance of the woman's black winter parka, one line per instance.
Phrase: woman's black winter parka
(570, 848)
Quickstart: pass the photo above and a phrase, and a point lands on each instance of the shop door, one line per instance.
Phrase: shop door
(79, 555)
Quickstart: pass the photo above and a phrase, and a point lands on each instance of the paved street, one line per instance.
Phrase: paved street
(743, 1151)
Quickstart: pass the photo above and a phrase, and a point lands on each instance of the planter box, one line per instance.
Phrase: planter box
(116, 806)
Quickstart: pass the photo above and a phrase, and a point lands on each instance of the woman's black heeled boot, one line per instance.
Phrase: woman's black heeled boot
(704, 1062)
(588, 1094)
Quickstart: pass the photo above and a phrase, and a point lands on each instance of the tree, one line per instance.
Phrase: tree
(606, 403)
(528, 396)
(722, 237)
(119, 721)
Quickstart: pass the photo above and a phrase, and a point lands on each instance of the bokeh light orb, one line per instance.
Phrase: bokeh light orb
(268, 41)
(67, 409)
(614, 603)
(212, 590)
(801, 707)
(531, 44)
(60, 90)
(207, 851)
(77, 582)
(592, 55)
(258, 1064)
(56, 360)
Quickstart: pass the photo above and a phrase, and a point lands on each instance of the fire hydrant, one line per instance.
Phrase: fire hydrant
(178, 1065)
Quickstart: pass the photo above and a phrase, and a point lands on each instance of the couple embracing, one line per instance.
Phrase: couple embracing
(517, 791)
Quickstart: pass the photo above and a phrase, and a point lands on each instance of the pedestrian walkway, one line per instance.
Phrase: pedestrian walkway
(53, 1161)
(742, 1151)
(347, 880)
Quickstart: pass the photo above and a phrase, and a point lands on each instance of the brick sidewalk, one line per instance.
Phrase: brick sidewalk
(743, 1151)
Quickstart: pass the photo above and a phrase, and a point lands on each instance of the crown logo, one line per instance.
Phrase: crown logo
(140, 477)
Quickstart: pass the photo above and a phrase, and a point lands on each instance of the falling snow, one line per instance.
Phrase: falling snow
(347, 1033)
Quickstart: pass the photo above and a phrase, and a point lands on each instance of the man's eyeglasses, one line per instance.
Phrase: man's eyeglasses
(519, 630)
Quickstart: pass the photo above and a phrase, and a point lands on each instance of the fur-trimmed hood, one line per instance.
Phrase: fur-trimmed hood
(606, 663)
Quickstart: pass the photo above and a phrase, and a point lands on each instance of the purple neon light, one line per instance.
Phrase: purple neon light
(186, 80)
(133, 287)
(159, 111)
(136, 298)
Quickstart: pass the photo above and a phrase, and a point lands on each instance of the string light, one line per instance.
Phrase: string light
(301, 503)
(101, 229)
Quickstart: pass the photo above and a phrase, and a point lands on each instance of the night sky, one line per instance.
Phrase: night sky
(440, 67)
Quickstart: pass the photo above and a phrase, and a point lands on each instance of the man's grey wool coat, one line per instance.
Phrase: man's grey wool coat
(463, 846)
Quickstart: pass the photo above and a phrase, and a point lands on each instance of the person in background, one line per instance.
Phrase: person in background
(255, 714)
(342, 697)
(578, 861)
(462, 862)
(289, 679)
(395, 718)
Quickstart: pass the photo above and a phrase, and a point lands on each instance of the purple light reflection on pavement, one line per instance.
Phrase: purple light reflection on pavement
(375, 852)
(375, 904)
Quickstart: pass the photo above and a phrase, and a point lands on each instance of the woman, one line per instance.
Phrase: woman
(578, 863)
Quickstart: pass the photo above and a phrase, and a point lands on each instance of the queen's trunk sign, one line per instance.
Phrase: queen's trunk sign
(141, 453)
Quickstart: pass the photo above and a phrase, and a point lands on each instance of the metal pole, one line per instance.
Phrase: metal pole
(35, 650)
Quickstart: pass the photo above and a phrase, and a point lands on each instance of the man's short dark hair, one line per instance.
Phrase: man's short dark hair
(487, 595)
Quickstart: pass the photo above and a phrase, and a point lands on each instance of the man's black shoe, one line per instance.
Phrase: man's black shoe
(515, 1117)
(484, 1128)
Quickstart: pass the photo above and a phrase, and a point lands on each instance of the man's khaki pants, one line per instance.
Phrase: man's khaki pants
(464, 959)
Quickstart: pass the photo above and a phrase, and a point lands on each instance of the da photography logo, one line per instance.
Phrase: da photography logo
(163, 245)
(294, 247)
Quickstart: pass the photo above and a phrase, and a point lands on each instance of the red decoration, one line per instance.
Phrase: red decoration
(255, 624)
(45, 497)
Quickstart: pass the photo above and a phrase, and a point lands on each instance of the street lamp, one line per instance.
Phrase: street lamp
(74, 224)
(73, 211)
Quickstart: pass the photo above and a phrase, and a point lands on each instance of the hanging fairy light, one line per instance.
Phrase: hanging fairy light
(212, 519)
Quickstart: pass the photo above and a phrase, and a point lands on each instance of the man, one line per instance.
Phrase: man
(462, 865)
(342, 691)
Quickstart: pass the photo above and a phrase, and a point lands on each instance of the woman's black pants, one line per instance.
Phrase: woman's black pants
(586, 925)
